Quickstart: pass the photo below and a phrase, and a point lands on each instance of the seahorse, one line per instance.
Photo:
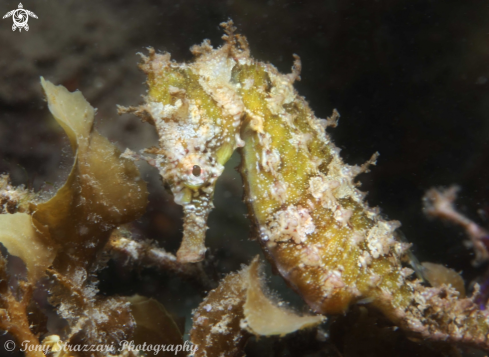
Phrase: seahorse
(198, 115)
(309, 216)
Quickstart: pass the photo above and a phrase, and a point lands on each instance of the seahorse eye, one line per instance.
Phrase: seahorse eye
(196, 171)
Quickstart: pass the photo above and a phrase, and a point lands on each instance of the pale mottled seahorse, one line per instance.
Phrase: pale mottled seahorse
(198, 114)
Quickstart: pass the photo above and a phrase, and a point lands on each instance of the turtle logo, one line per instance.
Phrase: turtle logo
(20, 17)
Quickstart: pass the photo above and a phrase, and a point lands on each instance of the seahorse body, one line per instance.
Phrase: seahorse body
(311, 218)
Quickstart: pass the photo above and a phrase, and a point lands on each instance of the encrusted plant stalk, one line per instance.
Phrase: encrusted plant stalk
(310, 218)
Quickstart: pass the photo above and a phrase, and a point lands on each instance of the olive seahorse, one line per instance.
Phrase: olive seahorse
(309, 216)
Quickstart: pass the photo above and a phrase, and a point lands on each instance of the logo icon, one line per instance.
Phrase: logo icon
(20, 17)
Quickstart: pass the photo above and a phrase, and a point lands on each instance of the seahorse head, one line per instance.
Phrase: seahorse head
(197, 111)
(192, 175)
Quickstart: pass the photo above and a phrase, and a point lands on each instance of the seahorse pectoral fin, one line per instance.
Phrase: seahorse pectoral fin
(192, 248)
